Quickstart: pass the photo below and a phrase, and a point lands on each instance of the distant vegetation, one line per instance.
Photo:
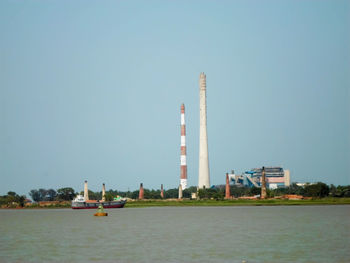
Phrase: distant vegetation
(239, 202)
(317, 190)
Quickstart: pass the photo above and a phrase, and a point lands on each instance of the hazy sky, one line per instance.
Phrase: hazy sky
(92, 90)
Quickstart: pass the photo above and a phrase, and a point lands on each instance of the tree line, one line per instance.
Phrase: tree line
(317, 190)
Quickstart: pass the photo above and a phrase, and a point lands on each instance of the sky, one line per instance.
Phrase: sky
(91, 90)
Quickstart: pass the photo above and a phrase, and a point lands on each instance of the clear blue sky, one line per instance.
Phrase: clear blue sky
(92, 90)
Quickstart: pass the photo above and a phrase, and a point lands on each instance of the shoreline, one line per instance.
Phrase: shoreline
(207, 202)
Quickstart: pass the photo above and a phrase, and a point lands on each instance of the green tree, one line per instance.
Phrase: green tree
(35, 195)
(317, 190)
(171, 193)
(109, 196)
(66, 193)
(51, 195)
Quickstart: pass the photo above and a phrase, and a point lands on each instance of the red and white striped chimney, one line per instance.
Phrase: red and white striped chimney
(183, 166)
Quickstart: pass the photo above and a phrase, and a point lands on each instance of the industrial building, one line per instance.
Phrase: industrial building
(275, 177)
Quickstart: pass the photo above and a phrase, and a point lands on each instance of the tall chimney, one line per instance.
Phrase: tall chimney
(86, 191)
(263, 184)
(161, 191)
(141, 192)
(183, 164)
(103, 192)
(227, 190)
(203, 174)
(180, 191)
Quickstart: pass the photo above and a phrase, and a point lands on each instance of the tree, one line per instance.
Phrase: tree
(317, 190)
(66, 193)
(35, 195)
(51, 195)
(171, 193)
(108, 196)
(42, 193)
(21, 200)
(10, 193)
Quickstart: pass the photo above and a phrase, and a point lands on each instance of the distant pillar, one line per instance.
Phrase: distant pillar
(161, 191)
(180, 191)
(263, 184)
(141, 192)
(286, 178)
(227, 192)
(86, 191)
(203, 171)
(103, 192)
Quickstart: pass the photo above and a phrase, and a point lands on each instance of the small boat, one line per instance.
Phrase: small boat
(100, 211)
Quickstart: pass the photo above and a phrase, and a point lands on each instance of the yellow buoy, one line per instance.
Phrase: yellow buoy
(100, 211)
(101, 214)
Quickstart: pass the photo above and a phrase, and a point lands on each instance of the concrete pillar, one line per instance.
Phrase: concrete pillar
(103, 192)
(203, 174)
(86, 191)
(180, 191)
(161, 191)
(263, 184)
(141, 192)
(183, 156)
(227, 190)
(286, 178)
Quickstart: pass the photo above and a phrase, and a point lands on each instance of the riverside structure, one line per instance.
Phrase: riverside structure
(203, 171)
(183, 156)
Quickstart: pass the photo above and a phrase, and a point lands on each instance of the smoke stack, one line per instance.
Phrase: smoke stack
(203, 174)
(227, 192)
(180, 191)
(103, 192)
(183, 164)
(141, 192)
(86, 191)
(263, 184)
(161, 191)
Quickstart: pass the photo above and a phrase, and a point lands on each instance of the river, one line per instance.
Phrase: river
(177, 234)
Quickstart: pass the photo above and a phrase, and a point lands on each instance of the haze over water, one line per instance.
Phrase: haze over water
(181, 234)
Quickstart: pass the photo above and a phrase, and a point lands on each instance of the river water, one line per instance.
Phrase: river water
(178, 234)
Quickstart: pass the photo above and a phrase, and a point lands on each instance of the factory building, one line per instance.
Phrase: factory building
(275, 177)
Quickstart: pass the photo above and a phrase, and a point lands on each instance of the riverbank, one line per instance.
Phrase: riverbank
(238, 202)
(206, 202)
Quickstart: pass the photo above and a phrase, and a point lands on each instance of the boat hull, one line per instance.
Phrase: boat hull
(94, 205)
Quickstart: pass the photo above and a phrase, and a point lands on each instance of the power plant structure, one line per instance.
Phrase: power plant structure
(275, 177)
(183, 158)
(203, 171)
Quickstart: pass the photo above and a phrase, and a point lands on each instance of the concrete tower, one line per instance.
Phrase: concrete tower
(183, 164)
(86, 191)
(103, 192)
(180, 191)
(203, 174)
(141, 192)
(286, 178)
